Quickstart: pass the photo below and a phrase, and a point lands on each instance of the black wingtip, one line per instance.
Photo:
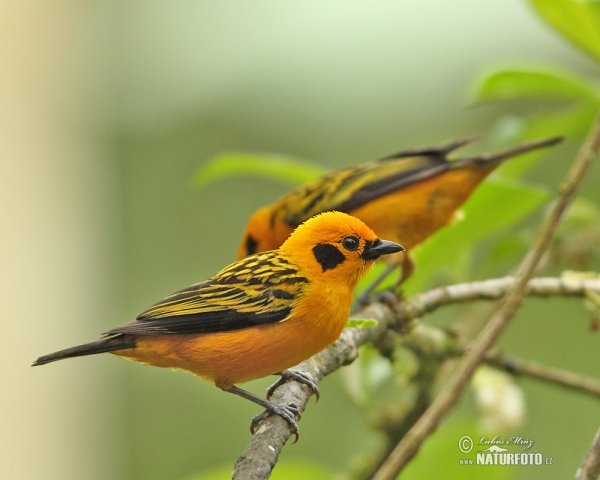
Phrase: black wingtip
(441, 150)
(483, 159)
(460, 143)
(522, 148)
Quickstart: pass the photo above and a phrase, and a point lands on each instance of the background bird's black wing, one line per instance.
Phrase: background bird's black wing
(348, 189)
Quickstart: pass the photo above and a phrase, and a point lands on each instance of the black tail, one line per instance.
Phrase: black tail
(100, 346)
(442, 151)
(495, 158)
(437, 151)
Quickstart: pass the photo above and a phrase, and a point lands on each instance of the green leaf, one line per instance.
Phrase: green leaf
(572, 122)
(276, 167)
(361, 323)
(507, 130)
(496, 205)
(540, 83)
(578, 20)
(582, 214)
(363, 378)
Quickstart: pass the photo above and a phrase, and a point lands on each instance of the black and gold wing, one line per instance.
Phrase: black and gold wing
(348, 189)
(259, 289)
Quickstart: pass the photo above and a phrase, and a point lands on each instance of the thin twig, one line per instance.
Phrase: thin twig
(427, 424)
(590, 467)
(434, 342)
(422, 303)
(556, 376)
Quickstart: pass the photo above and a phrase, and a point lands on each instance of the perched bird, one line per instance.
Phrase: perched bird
(258, 316)
(405, 197)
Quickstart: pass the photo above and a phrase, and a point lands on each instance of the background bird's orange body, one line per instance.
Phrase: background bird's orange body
(426, 206)
(406, 197)
(411, 214)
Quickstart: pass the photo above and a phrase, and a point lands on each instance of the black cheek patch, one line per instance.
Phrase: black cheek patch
(328, 255)
(251, 245)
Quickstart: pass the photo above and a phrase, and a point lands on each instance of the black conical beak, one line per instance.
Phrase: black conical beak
(374, 250)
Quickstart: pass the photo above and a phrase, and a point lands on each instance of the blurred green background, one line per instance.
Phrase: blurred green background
(108, 109)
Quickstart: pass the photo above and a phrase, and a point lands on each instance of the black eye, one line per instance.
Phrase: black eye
(350, 243)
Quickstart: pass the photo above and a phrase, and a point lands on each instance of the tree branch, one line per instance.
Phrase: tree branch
(590, 467)
(410, 444)
(421, 304)
(434, 342)
(556, 376)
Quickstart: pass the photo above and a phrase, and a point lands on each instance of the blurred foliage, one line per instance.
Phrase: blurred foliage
(576, 98)
(367, 377)
(277, 167)
(535, 83)
(499, 399)
(574, 102)
(578, 237)
(577, 20)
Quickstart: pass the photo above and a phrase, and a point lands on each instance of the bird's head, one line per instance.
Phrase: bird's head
(263, 232)
(335, 245)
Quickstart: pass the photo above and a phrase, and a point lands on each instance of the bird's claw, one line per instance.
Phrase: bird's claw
(288, 412)
(297, 376)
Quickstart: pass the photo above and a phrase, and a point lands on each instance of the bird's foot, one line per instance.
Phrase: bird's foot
(297, 376)
(288, 412)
